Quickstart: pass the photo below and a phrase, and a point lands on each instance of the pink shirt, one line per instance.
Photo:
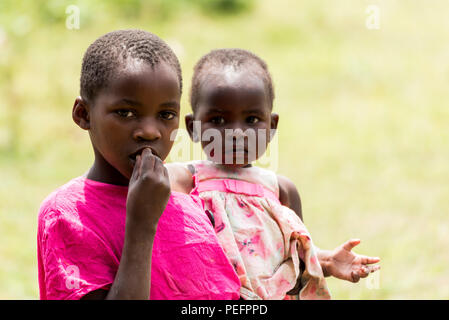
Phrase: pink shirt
(81, 229)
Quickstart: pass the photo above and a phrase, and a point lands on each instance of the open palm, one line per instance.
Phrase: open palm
(347, 265)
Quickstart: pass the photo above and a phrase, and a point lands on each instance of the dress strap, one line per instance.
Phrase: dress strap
(203, 170)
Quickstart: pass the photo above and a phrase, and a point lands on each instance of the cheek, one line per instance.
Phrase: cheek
(167, 145)
(212, 143)
(210, 134)
(115, 134)
(168, 139)
(263, 139)
(109, 136)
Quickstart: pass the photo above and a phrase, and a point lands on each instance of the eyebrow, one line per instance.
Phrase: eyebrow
(256, 111)
(250, 111)
(170, 104)
(130, 102)
(133, 103)
(215, 110)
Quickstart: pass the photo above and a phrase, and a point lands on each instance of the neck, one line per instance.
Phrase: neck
(102, 171)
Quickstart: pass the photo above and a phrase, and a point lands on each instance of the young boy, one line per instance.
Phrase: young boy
(97, 234)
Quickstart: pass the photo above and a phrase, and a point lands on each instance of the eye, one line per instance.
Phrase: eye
(252, 120)
(217, 120)
(167, 115)
(125, 113)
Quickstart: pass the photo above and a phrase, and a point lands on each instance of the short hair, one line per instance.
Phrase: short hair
(107, 56)
(236, 58)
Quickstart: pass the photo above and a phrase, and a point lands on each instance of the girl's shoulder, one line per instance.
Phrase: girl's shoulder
(182, 174)
(181, 178)
(289, 195)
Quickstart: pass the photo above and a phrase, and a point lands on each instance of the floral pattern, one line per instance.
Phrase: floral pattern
(264, 240)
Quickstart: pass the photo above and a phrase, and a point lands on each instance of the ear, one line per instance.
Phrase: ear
(273, 124)
(80, 113)
(190, 120)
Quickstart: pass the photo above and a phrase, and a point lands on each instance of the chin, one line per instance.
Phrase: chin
(235, 163)
(127, 171)
(127, 174)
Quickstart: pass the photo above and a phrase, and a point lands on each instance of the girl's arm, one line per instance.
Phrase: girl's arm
(341, 262)
(289, 196)
(181, 179)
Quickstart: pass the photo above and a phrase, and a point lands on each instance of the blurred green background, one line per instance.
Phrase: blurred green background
(363, 126)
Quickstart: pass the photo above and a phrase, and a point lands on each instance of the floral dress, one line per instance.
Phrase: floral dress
(266, 242)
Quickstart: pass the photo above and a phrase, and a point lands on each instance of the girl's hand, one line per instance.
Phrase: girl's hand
(344, 264)
(149, 191)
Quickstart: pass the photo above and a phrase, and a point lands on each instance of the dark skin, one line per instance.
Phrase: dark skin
(237, 100)
(236, 108)
(129, 124)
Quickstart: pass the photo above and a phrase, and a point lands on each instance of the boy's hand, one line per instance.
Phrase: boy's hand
(344, 264)
(149, 191)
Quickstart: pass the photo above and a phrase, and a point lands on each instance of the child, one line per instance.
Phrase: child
(253, 208)
(97, 234)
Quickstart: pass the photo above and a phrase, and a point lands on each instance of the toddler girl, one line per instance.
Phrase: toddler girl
(253, 209)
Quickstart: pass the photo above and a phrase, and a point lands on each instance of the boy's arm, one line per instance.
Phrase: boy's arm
(133, 277)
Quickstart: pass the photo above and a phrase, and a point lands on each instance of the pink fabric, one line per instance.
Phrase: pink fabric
(81, 229)
(264, 240)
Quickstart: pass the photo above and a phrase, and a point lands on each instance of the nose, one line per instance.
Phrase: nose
(147, 129)
(235, 133)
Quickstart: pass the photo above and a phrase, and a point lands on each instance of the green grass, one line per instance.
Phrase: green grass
(363, 125)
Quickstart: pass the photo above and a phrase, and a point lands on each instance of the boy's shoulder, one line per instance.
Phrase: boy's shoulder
(59, 194)
(63, 201)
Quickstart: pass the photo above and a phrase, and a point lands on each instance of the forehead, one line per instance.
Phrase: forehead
(233, 86)
(229, 77)
(139, 80)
